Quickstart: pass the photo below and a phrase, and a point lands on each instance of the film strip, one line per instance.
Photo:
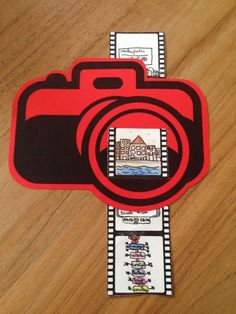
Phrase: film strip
(148, 47)
(139, 258)
(139, 244)
(137, 152)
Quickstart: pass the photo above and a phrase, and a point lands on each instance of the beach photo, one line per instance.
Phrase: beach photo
(137, 152)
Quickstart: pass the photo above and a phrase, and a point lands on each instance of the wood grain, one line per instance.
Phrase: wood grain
(53, 243)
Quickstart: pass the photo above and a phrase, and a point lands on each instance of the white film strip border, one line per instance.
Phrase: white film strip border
(111, 153)
(112, 45)
(167, 255)
(110, 250)
(161, 48)
(164, 153)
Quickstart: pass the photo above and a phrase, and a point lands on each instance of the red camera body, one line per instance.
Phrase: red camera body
(60, 126)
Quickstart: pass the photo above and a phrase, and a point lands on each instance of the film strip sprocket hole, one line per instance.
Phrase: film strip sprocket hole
(139, 258)
(137, 152)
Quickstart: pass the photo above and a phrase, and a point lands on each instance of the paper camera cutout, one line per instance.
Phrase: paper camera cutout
(60, 125)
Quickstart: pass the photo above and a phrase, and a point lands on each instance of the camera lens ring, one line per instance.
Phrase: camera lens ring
(125, 103)
(125, 192)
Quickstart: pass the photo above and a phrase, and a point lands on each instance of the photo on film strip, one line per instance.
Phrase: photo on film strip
(137, 152)
(139, 221)
(139, 258)
(147, 47)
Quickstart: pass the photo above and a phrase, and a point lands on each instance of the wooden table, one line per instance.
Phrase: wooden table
(53, 243)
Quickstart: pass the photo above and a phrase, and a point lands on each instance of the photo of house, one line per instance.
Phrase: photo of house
(137, 151)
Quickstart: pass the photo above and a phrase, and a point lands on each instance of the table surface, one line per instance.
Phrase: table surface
(53, 243)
